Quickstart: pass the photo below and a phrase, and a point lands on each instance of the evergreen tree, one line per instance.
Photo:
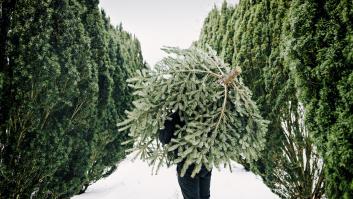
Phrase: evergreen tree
(30, 128)
(123, 54)
(319, 47)
(222, 122)
(62, 91)
(213, 27)
(228, 42)
(257, 46)
(69, 177)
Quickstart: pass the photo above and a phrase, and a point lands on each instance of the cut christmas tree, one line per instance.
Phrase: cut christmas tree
(222, 123)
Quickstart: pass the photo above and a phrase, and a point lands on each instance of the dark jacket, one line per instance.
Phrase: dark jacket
(166, 134)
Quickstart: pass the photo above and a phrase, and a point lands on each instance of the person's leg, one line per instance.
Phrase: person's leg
(189, 186)
(205, 182)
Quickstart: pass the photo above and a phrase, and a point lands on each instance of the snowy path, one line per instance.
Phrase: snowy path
(133, 180)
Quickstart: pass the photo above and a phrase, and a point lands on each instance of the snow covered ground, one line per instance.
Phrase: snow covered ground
(133, 180)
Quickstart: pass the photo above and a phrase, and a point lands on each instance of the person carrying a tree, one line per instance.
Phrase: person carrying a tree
(197, 187)
(193, 110)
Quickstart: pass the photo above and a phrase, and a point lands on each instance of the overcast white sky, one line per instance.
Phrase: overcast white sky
(158, 23)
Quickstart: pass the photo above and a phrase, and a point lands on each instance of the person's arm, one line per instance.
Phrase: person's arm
(166, 134)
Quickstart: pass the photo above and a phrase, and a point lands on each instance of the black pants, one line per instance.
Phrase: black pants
(197, 187)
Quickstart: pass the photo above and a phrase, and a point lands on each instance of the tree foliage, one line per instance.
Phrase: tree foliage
(319, 53)
(63, 90)
(255, 39)
(222, 122)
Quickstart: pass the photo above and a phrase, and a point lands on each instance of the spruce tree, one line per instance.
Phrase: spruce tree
(222, 122)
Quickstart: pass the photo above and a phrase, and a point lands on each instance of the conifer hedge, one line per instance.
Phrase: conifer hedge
(296, 57)
(63, 89)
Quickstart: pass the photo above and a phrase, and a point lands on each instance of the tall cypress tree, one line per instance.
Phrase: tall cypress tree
(63, 90)
(121, 58)
(28, 42)
(319, 47)
(304, 48)
(35, 123)
(257, 49)
(69, 177)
